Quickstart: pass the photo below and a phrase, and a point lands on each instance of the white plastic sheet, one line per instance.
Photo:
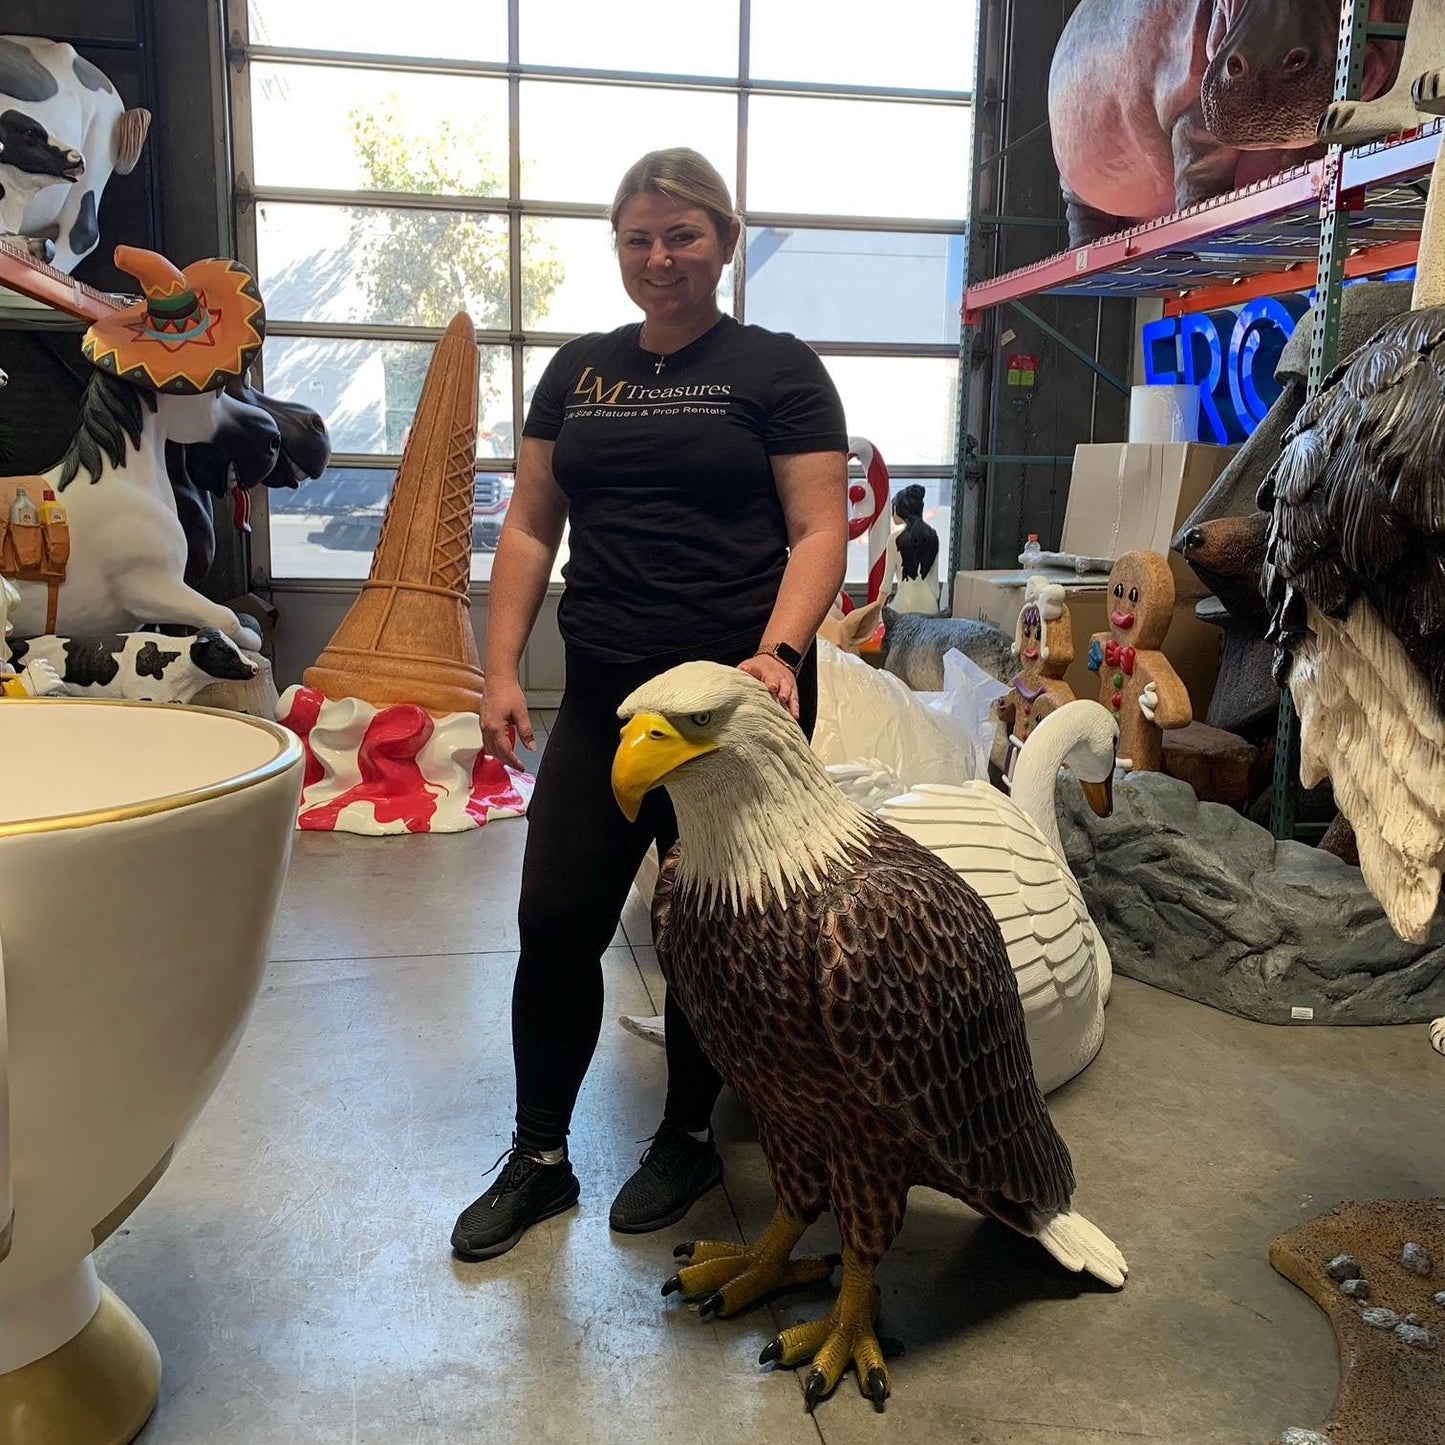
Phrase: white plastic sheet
(870, 723)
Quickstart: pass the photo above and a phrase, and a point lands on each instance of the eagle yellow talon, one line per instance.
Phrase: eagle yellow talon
(725, 1278)
(844, 1336)
(704, 1250)
(712, 1274)
(799, 1343)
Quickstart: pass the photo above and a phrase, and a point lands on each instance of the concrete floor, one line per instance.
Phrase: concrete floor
(293, 1264)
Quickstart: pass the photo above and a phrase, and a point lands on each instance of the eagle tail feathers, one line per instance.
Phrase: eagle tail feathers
(1080, 1246)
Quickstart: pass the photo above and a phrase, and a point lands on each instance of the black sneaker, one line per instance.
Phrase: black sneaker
(676, 1171)
(527, 1191)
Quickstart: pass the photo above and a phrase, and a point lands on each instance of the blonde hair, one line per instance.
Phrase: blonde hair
(683, 175)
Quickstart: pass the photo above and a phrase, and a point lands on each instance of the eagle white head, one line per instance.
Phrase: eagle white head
(753, 803)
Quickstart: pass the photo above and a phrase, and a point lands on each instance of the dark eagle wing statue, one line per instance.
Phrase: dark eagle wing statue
(1354, 579)
(920, 1004)
(1358, 496)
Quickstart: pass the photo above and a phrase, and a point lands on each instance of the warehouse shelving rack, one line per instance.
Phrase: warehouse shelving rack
(1352, 213)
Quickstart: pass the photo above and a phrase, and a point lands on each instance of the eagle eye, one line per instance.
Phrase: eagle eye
(700, 719)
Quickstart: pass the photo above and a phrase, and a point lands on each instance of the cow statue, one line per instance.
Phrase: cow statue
(1155, 105)
(31, 160)
(58, 105)
(137, 666)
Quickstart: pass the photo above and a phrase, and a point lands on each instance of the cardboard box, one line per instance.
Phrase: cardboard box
(1134, 496)
(1123, 497)
(1192, 646)
(975, 596)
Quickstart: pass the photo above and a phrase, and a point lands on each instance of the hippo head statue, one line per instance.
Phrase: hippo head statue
(1271, 70)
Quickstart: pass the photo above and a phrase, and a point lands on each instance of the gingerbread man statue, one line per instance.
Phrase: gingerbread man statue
(1136, 681)
(1044, 646)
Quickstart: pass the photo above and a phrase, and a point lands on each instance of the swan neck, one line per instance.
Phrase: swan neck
(1035, 779)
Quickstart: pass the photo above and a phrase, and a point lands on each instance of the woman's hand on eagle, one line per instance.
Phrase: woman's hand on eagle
(776, 676)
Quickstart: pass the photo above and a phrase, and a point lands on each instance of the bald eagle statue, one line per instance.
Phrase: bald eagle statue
(1354, 579)
(857, 995)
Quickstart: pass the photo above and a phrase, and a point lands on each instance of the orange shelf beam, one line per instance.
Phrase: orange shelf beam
(1373, 261)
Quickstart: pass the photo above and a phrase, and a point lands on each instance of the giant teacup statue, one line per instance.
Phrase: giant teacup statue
(127, 976)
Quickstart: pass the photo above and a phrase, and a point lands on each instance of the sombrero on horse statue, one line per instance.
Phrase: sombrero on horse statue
(194, 330)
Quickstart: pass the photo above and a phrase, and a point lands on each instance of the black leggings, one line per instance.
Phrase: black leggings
(581, 858)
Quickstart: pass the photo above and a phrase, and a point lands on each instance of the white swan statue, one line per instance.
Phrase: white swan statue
(1009, 849)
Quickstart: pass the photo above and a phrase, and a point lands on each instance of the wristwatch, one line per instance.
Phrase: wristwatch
(790, 657)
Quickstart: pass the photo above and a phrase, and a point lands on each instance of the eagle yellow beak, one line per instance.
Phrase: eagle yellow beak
(1100, 796)
(651, 749)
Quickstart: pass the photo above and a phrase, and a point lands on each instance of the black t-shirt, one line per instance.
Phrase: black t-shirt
(677, 536)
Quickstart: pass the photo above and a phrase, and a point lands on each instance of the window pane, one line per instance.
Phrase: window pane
(926, 44)
(584, 33)
(534, 363)
(569, 277)
(937, 512)
(863, 157)
(397, 267)
(368, 390)
(448, 29)
(905, 406)
(578, 140)
(330, 527)
(855, 285)
(372, 130)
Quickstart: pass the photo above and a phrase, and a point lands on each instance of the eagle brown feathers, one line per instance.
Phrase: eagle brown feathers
(889, 989)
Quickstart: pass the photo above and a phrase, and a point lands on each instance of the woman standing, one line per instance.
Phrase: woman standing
(702, 467)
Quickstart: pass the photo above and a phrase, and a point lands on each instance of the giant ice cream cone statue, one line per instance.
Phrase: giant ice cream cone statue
(390, 713)
(408, 637)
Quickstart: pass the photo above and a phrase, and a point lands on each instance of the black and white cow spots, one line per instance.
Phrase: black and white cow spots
(89, 76)
(86, 230)
(87, 664)
(22, 76)
(150, 661)
(140, 666)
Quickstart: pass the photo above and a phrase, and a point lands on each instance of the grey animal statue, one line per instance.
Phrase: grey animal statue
(207, 469)
(65, 95)
(913, 647)
(1156, 105)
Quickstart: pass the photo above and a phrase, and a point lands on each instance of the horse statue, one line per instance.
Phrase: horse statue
(162, 368)
(206, 469)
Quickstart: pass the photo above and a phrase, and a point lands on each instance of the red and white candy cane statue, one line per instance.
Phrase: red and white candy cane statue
(868, 509)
